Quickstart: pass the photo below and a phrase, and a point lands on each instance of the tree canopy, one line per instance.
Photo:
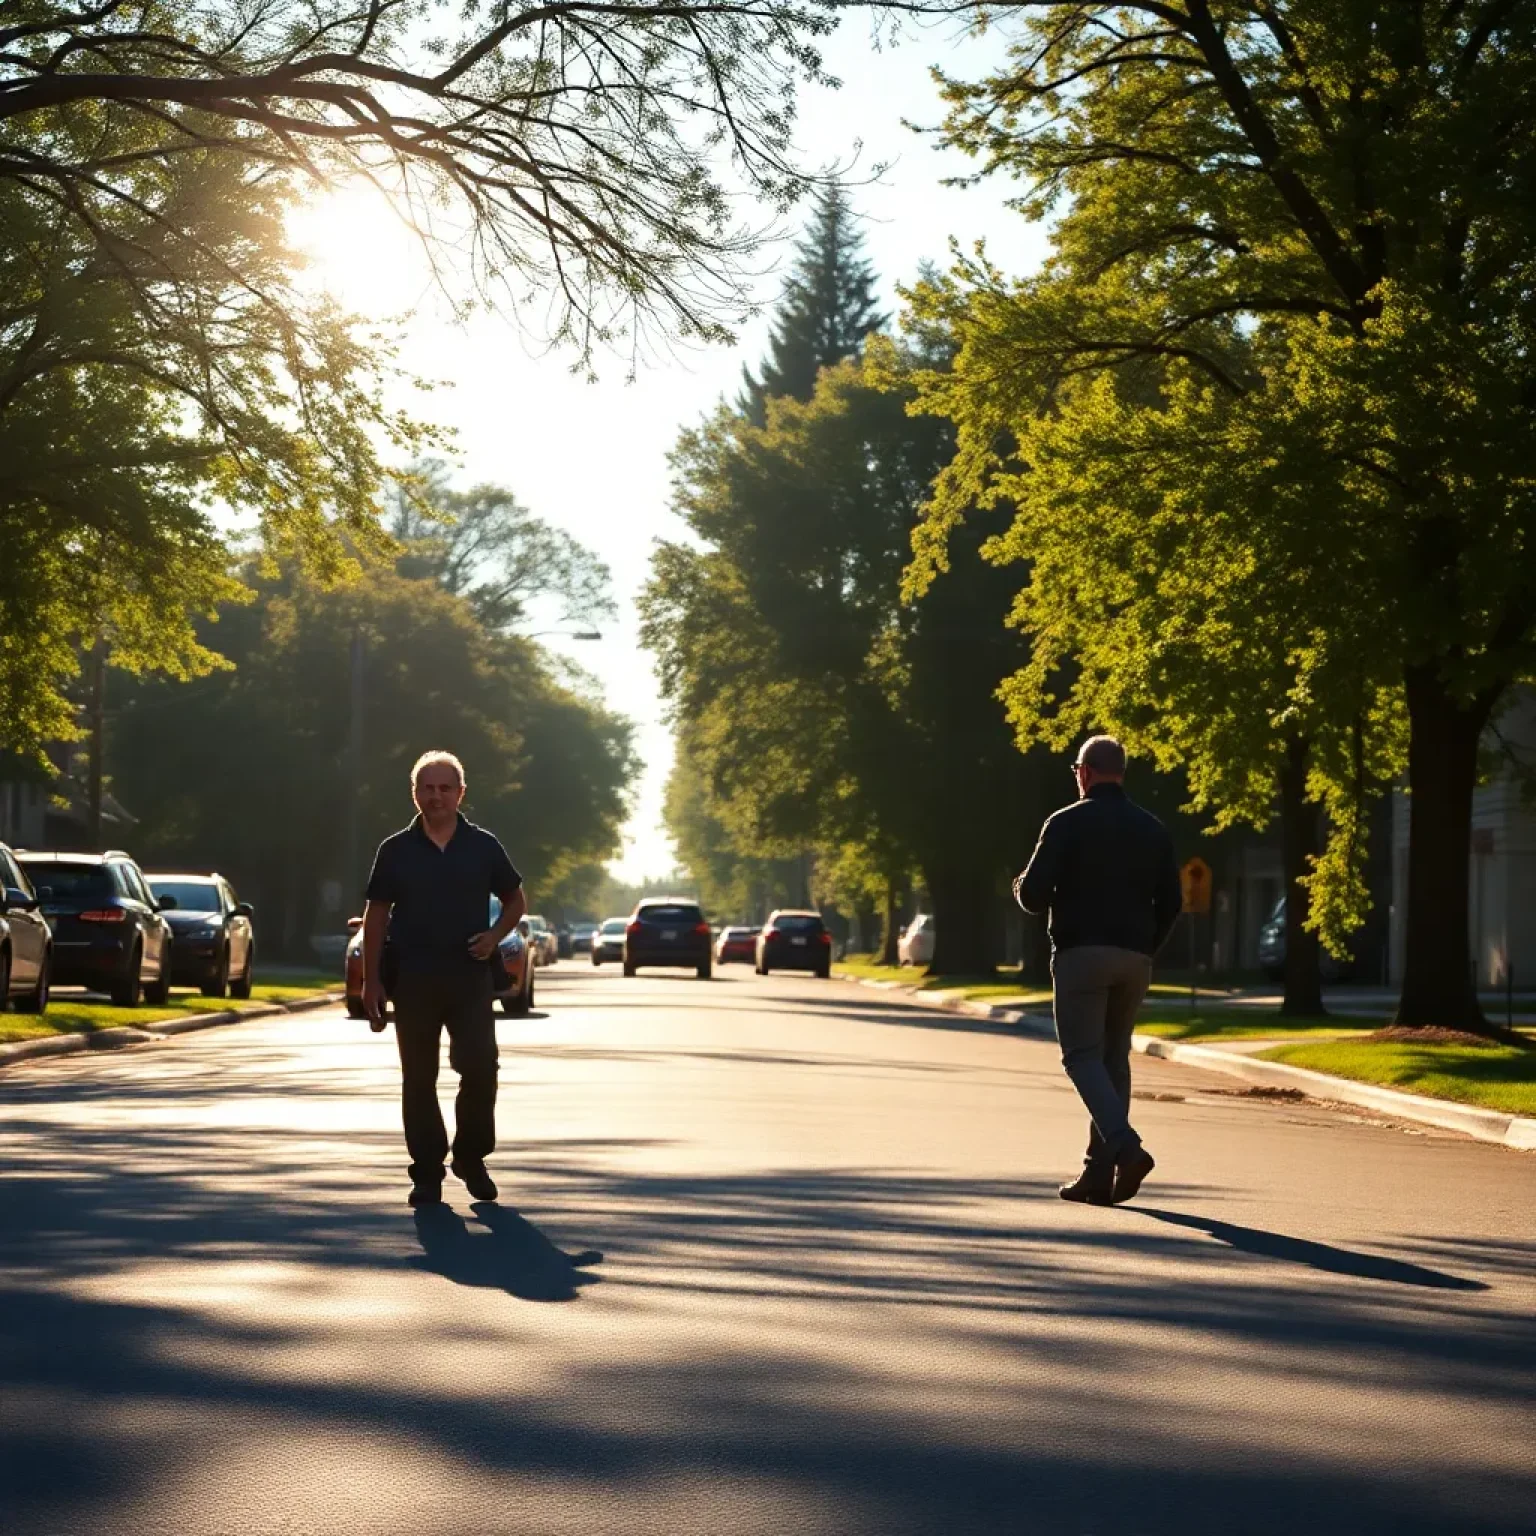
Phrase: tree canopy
(1301, 237)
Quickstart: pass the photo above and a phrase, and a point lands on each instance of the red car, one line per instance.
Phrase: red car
(736, 944)
(516, 956)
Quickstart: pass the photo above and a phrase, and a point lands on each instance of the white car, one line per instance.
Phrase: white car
(608, 940)
(546, 946)
(915, 946)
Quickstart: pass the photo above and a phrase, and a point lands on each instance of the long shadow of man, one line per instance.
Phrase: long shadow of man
(511, 1255)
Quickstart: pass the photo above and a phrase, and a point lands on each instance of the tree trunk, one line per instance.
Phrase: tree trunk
(892, 933)
(1299, 840)
(965, 904)
(1443, 739)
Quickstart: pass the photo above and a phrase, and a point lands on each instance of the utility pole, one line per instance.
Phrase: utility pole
(95, 725)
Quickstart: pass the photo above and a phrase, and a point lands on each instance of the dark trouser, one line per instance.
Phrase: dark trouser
(424, 1003)
(1098, 989)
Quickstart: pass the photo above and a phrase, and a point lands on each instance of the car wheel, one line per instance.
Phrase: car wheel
(217, 984)
(36, 1001)
(762, 969)
(158, 994)
(128, 989)
(518, 1006)
(824, 972)
(5, 979)
(704, 971)
(629, 970)
(595, 960)
(355, 1009)
(242, 987)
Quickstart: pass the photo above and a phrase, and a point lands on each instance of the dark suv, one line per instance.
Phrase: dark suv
(108, 933)
(214, 948)
(26, 943)
(667, 932)
(794, 941)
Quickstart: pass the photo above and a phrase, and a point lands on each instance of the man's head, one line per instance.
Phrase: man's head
(1100, 760)
(437, 785)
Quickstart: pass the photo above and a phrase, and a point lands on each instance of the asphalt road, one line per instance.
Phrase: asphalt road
(772, 1256)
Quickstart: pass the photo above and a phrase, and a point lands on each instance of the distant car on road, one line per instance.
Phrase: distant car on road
(794, 941)
(736, 944)
(516, 956)
(608, 940)
(1272, 951)
(915, 946)
(667, 931)
(214, 944)
(546, 945)
(581, 938)
(108, 931)
(26, 941)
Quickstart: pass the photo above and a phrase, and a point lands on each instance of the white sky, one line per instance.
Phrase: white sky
(591, 457)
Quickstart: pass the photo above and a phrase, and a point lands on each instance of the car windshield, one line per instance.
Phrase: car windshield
(671, 913)
(537, 923)
(190, 895)
(615, 925)
(71, 882)
(795, 922)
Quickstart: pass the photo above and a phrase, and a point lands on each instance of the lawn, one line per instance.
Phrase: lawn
(74, 1014)
(1495, 1076)
(990, 988)
(1172, 1021)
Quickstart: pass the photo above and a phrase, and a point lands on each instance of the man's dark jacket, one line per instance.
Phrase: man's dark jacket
(1105, 870)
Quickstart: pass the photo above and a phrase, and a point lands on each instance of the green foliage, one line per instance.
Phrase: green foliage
(1265, 411)
(827, 309)
(250, 770)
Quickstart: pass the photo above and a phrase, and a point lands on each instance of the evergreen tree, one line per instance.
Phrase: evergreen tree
(827, 309)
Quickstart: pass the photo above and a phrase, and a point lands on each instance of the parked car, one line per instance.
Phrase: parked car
(581, 937)
(214, 946)
(108, 931)
(794, 941)
(736, 944)
(1272, 951)
(608, 940)
(915, 946)
(516, 956)
(546, 945)
(667, 931)
(26, 941)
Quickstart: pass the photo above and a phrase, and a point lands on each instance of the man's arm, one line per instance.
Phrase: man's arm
(1034, 888)
(1168, 901)
(507, 885)
(375, 927)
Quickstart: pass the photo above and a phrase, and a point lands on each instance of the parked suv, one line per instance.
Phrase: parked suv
(667, 932)
(794, 941)
(26, 942)
(108, 932)
(215, 944)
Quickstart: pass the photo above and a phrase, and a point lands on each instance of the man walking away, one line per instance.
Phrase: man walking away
(429, 895)
(1104, 869)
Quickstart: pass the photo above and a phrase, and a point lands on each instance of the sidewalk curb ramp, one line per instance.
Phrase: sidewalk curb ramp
(1515, 1131)
(121, 1035)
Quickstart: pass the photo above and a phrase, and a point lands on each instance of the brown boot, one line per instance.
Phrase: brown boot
(1091, 1187)
(1130, 1173)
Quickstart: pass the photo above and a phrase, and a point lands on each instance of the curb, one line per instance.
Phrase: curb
(120, 1035)
(1517, 1132)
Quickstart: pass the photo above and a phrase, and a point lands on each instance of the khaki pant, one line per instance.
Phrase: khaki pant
(1098, 989)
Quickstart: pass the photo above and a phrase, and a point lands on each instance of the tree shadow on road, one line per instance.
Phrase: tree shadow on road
(1320, 1256)
(512, 1254)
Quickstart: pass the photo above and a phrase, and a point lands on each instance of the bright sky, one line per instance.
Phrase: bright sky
(591, 457)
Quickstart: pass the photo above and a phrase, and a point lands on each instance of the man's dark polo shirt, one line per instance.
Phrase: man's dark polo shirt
(440, 897)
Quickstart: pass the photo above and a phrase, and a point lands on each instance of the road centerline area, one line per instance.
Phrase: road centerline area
(771, 1254)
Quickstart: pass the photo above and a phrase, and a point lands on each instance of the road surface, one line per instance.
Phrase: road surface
(771, 1256)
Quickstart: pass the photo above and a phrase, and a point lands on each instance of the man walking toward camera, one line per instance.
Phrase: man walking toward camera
(1104, 869)
(429, 896)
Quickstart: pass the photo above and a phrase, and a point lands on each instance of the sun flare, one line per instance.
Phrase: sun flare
(358, 248)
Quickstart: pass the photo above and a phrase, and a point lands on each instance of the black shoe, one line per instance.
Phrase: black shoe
(1089, 1188)
(426, 1194)
(475, 1179)
(1130, 1173)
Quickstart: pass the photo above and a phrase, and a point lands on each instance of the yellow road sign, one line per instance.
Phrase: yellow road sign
(1195, 878)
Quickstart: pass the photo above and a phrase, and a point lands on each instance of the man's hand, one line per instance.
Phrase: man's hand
(374, 1003)
(483, 945)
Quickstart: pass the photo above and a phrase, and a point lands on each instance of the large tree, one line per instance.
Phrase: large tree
(1326, 212)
